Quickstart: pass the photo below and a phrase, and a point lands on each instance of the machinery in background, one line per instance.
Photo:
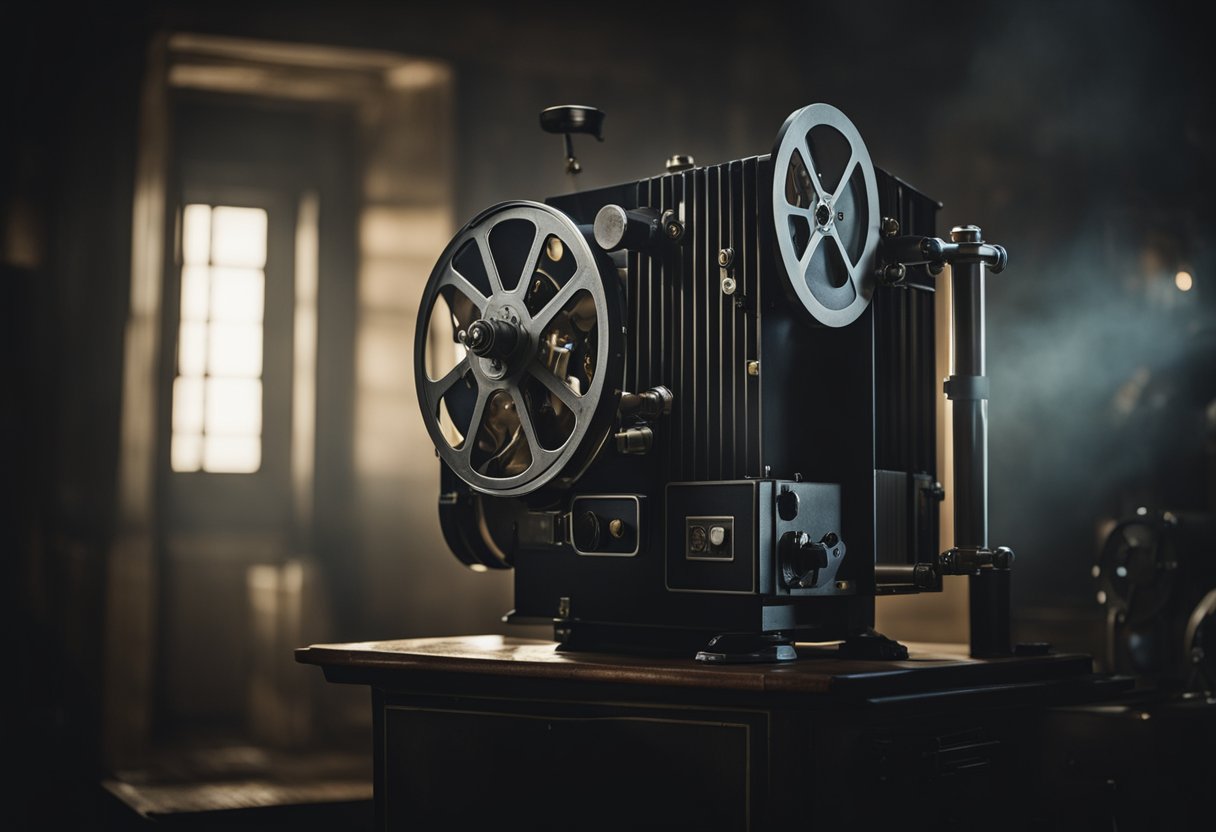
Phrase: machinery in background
(1157, 580)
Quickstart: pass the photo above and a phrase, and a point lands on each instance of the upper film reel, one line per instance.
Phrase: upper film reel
(518, 350)
(825, 213)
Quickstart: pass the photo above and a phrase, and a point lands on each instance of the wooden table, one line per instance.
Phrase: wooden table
(512, 734)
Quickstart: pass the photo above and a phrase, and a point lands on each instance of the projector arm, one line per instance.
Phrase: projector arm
(967, 389)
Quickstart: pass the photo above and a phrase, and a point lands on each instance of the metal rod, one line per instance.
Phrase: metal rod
(967, 390)
(988, 592)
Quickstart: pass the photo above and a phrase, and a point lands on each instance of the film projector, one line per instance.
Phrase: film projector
(695, 413)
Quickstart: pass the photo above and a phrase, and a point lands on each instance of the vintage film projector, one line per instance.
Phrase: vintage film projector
(696, 412)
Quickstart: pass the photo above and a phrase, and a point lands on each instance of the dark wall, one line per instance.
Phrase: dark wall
(66, 176)
(1080, 135)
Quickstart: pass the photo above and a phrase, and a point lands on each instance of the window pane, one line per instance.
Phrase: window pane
(238, 237)
(196, 235)
(187, 405)
(195, 293)
(186, 451)
(234, 406)
(217, 395)
(235, 350)
(232, 454)
(192, 349)
(237, 295)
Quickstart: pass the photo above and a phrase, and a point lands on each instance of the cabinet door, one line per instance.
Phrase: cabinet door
(546, 766)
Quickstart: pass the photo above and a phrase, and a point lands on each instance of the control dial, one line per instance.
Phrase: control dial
(801, 558)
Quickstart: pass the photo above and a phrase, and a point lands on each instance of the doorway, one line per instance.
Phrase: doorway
(301, 194)
(250, 182)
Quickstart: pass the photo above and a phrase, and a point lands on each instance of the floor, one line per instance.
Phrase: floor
(241, 787)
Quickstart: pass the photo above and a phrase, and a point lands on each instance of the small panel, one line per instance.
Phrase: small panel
(891, 495)
(806, 544)
(709, 538)
(605, 526)
(725, 513)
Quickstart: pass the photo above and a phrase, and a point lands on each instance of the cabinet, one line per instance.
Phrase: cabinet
(514, 734)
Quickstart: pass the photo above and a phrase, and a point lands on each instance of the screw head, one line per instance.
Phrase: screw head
(679, 162)
(966, 234)
(893, 274)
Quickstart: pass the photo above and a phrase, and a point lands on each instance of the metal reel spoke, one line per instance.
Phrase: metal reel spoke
(465, 452)
(805, 263)
(482, 236)
(438, 388)
(545, 228)
(855, 274)
(557, 387)
(808, 161)
(580, 280)
(849, 168)
(457, 281)
(540, 454)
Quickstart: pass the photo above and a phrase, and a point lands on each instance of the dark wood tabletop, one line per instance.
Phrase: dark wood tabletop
(817, 671)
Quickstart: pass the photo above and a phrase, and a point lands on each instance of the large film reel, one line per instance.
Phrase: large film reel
(825, 213)
(518, 352)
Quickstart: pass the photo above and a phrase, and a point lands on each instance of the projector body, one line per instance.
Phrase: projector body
(696, 410)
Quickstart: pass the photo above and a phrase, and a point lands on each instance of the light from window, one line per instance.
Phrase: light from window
(217, 392)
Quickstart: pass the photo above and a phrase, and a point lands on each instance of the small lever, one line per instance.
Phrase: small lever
(573, 118)
(639, 229)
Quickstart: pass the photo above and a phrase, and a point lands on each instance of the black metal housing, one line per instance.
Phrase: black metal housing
(765, 403)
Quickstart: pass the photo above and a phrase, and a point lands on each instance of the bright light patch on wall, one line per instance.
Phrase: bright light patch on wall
(217, 393)
(1184, 281)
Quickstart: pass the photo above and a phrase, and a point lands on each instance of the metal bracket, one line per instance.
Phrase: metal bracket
(965, 560)
(973, 388)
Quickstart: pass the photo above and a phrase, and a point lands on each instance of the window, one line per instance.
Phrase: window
(217, 390)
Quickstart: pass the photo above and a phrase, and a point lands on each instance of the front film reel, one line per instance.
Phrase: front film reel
(518, 350)
(825, 213)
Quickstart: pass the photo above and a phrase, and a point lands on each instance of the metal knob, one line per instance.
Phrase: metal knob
(616, 228)
(801, 559)
(491, 338)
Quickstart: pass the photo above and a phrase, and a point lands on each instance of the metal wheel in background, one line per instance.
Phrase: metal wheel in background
(1137, 569)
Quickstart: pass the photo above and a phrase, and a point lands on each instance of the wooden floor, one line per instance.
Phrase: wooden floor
(243, 787)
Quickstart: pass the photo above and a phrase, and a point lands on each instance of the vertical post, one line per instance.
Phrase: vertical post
(968, 392)
(967, 389)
